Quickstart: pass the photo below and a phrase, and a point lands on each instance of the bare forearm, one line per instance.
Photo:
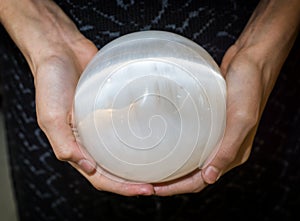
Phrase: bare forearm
(272, 29)
(37, 27)
(251, 67)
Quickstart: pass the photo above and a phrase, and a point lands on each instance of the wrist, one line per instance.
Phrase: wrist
(266, 41)
(271, 31)
(40, 29)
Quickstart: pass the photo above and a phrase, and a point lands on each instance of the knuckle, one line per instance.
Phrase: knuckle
(63, 153)
(245, 155)
(248, 118)
(244, 159)
(228, 157)
(196, 184)
(49, 119)
(125, 190)
(197, 190)
(97, 186)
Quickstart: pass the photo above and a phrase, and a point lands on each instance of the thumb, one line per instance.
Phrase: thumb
(65, 146)
(243, 109)
(235, 147)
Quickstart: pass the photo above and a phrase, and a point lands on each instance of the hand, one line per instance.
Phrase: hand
(250, 67)
(57, 54)
(246, 96)
(56, 77)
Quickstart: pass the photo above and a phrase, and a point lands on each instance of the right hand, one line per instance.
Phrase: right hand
(57, 53)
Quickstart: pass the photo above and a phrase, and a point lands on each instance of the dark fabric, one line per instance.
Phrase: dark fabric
(266, 187)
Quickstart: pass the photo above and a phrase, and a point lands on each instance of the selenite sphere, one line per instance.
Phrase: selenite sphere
(150, 106)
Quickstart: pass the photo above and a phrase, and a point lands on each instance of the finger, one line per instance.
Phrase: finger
(229, 55)
(67, 149)
(104, 181)
(231, 154)
(55, 84)
(191, 183)
(243, 107)
(65, 146)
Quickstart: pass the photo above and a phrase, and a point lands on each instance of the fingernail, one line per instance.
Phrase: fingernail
(87, 166)
(211, 174)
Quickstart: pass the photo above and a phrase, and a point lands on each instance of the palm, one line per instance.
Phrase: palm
(246, 96)
(56, 80)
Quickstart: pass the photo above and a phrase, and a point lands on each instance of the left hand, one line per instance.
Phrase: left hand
(247, 93)
(250, 68)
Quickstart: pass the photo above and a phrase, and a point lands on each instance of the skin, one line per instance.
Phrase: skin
(58, 53)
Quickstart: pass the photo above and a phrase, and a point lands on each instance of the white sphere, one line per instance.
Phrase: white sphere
(150, 106)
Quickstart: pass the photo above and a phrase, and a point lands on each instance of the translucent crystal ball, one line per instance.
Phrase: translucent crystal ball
(150, 106)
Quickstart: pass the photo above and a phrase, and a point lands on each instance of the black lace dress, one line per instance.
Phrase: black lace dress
(266, 187)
